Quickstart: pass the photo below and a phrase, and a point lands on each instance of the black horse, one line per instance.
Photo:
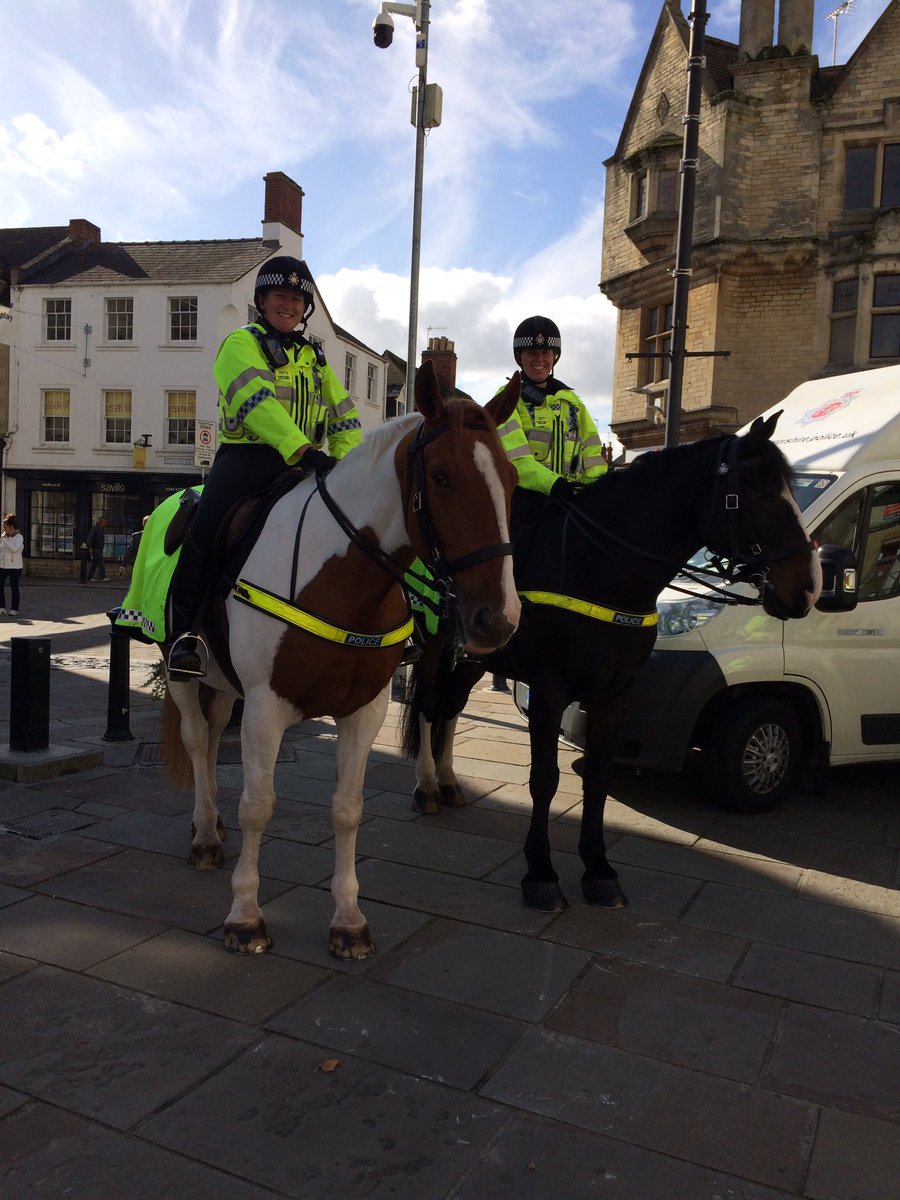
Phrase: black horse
(590, 571)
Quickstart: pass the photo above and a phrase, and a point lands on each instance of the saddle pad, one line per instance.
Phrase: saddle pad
(143, 611)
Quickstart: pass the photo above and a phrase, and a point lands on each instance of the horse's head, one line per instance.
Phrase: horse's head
(756, 523)
(458, 484)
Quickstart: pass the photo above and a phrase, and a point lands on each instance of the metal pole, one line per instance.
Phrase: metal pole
(682, 272)
(118, 702)
(422, 61)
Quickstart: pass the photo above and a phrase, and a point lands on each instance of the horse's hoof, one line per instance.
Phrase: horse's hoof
(452, 795)
(350, 943)
(605, 893)
(425, 803)
(248, 940)
(545, 896)
(207, 858)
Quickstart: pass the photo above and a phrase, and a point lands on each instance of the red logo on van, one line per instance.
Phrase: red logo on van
(829, 408)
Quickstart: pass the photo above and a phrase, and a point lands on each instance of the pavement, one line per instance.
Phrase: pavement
(733, 1033)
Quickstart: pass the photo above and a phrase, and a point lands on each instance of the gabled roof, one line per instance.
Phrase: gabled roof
(720, 56)
(155, 262)
(19, 246)
(345, 336)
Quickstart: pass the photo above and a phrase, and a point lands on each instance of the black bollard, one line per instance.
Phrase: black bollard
(119, 700)
(29, 686)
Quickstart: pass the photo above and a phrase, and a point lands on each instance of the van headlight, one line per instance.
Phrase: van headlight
(680, 616)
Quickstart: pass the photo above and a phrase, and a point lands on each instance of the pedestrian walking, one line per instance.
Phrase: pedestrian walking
(95, 541)
(133, 546)
(11, 543)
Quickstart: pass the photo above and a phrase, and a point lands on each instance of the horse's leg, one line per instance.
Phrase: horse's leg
(206, 847)
(599, 883)
(207, 826)
(349, 935)
(540, 886)
(262, 725)
(426, 798)
(463, 678)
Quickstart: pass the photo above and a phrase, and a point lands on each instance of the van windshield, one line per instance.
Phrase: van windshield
(807, 487)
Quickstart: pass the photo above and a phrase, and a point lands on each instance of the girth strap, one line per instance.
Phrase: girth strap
(596, 611)
(284, 610)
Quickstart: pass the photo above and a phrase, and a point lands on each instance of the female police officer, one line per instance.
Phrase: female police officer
(551, 438)
(279, 401)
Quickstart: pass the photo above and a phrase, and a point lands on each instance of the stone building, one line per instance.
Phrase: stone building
(796, 246)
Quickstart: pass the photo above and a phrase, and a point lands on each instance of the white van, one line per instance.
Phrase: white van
(771, 704)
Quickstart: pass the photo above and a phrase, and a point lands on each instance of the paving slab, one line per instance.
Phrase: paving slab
(811, 979)
(854, 1158)
(199, 972)
(422, 844)
(413, 1032)
(48, 1152)
(25, 862)
(69, 935)
(695, 863)
(274, 1118)
(448, 958)
(644, 1102)
(534, 1158)
(671, 1017)
(104, 1051)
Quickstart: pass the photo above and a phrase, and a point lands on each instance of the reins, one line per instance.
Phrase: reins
(736, 567)
(414, 500)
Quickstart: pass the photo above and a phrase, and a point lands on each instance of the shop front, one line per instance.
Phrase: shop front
(56, 509)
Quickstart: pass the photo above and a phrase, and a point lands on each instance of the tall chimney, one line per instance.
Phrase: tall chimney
(795, 25)
(442, 353)
(284, 203)
(757, 27)
(83, 231)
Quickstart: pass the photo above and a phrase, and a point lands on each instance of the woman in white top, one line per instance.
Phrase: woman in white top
(11, 543)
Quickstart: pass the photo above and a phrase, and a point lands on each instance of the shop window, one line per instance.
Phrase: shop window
(181, 413)
(886, 317)
(117, 417)
(52, 527)
(182, 318)
(872, 176)
(57, 320)
(844, 300)
(119, 319)
(55, 403)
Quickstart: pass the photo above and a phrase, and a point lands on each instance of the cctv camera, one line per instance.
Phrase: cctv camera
(383, 30)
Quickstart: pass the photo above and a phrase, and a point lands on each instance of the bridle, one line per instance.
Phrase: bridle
(416, 501)
(740, 565)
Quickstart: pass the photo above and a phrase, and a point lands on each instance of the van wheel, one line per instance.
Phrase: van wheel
(752, 755)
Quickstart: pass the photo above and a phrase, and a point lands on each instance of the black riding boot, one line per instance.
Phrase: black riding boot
(189, 586)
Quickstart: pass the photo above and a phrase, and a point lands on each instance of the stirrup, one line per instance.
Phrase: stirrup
(190, 671)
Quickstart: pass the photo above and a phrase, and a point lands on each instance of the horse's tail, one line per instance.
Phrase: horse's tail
(179, 771)
(410, 737)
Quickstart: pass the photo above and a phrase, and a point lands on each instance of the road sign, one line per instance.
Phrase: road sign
(204, 443)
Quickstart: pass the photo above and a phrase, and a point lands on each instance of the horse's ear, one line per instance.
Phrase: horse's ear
(502, 406)
(760, 430)
(428, 394)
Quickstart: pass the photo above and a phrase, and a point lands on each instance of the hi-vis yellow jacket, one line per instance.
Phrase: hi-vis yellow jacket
(552, 434)
(287, 407)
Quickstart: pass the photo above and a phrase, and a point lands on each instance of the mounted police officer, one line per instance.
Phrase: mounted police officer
(279, 403)
(551, 438)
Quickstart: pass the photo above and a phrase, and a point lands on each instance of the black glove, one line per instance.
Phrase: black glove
(318, 461)
(564, 489)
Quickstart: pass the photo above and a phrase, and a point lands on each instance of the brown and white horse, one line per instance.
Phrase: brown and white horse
(436, 485)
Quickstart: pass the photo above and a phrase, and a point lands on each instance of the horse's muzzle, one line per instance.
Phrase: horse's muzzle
(487, 629)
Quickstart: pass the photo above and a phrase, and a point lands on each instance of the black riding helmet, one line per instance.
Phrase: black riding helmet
(290, 273)
(537, 333)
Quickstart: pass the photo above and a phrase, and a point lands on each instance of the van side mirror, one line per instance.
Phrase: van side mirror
(838, 579)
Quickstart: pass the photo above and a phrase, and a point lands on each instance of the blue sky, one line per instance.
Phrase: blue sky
(157, 119)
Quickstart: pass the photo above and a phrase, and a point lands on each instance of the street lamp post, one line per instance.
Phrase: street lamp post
(425, 100)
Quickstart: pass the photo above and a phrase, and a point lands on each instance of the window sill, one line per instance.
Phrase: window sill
(118, 448)
(54, 448)
(179, 346)
(115, 346)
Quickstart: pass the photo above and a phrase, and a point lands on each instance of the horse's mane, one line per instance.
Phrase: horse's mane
(656, 464)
